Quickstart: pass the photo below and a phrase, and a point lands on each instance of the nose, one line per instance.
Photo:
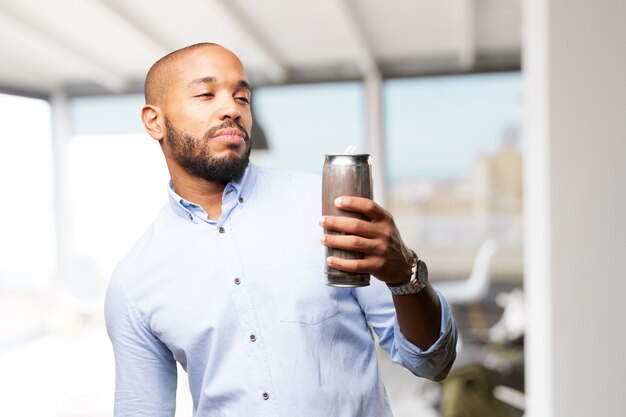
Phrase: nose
(229, 109)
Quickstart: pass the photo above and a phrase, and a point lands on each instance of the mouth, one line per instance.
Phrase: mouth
(230, 135)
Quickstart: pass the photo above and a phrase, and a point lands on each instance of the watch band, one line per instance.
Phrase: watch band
(414, 285)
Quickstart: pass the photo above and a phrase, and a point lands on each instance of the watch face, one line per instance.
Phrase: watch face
(422, 273)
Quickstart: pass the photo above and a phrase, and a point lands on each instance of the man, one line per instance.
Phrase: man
(229, 282)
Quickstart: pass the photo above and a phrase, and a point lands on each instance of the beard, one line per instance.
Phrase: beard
(194, 154)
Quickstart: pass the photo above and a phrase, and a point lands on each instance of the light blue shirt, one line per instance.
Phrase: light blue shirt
(242, 304)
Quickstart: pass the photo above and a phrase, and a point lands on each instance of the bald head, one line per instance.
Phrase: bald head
(160, 74)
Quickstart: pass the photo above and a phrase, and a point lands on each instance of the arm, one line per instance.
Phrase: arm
(435, 362)
(145, 370)
(387, 258)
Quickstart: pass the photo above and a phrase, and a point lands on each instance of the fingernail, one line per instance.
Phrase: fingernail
(338, 201)
(322, 220)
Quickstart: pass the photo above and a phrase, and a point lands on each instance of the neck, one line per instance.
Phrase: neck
(207, 194)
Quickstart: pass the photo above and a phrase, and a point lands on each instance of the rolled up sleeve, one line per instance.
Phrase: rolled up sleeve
(433, 363)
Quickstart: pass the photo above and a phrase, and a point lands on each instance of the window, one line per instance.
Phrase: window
(454, 165)
(304, 122)
(118, 184)
(27, 225)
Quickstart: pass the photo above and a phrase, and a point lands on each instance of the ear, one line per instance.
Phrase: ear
(153, 121)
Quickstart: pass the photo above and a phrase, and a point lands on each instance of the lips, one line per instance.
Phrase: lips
(230, 135)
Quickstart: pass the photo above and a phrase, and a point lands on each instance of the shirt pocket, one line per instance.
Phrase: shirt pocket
(304, 296)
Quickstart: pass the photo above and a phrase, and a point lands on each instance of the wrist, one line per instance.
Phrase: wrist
(416, 282)
(410, 268)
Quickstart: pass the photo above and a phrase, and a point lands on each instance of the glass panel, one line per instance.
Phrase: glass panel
(27, 247)
(304, 122)
(455, 166)
(118, 184)
(26, 223)
(455, 172)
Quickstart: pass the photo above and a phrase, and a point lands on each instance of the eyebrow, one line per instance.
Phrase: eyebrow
(211, 79)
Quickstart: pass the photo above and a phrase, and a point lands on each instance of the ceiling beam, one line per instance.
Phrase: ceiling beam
(275, 70)
(366, 61)
(29, 93)
(96, 71)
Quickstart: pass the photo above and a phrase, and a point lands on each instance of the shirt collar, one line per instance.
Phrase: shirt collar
(236, 192)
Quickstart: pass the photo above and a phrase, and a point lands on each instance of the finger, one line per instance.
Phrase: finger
(352, 243)
(369, 265)
(362, 205)
(350, 225)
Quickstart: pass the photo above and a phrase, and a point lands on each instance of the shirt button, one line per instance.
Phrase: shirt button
(241, 199)
(222, 230)
(252, 338)
(266, 396)
(237, 281)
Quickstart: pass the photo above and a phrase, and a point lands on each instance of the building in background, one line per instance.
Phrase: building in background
(449, 218)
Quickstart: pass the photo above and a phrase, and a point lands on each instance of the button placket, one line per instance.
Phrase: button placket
(250, 325)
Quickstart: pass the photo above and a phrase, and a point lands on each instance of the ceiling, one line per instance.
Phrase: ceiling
(106, 46)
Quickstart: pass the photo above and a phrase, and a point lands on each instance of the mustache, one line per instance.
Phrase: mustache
(228, 124)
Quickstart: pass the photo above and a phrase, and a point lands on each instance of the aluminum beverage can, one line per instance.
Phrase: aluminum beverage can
(345, 175)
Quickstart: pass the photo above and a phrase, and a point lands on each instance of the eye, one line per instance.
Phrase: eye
(243, 99)
(206, 95)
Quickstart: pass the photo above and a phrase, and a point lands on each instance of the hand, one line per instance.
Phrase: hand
(386, 256)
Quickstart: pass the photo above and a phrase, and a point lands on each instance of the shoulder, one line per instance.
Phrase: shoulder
(129, 271)
(127, 282)
(287, 178)
(288, 189)
(278, 174)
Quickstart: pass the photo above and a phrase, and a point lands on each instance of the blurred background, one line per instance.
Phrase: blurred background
(497, 134)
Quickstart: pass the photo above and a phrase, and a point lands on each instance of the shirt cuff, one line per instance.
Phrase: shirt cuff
(438, 355)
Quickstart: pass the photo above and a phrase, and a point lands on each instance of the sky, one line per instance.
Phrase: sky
(433, 126)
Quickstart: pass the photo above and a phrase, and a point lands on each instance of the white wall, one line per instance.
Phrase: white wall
(575, 174)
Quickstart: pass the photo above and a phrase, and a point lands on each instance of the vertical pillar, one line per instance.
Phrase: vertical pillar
(575, 235)
(537, 239)
(375, 142)
(62, 215)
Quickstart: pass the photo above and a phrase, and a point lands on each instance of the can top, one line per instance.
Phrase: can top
(359, 155)
(348, 159)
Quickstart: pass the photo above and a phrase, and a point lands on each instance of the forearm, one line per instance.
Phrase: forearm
(419, 316)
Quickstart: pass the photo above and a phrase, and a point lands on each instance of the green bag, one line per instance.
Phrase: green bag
(468, 392)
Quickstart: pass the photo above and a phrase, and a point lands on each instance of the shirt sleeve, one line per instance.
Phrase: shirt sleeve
(145, 369)
(433, 363)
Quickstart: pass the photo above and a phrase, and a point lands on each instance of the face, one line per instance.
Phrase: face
(207, 115)
(197, 157)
